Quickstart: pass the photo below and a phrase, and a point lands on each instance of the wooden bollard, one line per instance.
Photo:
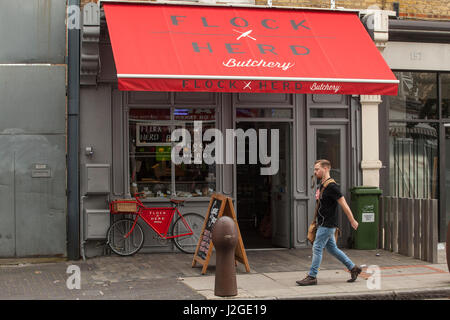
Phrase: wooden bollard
(225, 238)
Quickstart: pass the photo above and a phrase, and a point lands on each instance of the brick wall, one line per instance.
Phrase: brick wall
(409, 9)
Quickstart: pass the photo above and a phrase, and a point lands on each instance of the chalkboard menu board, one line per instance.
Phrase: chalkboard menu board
(207, 232)
(219, 205)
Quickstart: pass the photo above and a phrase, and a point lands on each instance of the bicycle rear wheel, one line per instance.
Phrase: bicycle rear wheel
(188, 244)
(121, 245)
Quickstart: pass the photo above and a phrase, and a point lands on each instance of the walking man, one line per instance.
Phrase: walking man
(327, 218)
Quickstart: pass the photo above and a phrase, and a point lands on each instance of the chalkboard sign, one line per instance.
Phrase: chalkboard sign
(219, 205)
(205, 239)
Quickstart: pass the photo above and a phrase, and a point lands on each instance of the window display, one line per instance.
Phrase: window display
(151, 168)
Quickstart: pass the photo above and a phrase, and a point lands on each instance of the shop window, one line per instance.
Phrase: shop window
(413, 162)
(417, 97)
(445, 95)
(151, 168)
(328, 145)
(285, 113)
(195, 179)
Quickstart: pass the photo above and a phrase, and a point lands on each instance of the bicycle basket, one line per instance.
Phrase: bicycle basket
(123, 205)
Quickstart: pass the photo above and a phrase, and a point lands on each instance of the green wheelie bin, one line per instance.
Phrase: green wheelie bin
(364, 205)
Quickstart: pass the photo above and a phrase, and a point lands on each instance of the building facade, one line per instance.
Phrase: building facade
(414, 125)
(124, 136)
(73, 142)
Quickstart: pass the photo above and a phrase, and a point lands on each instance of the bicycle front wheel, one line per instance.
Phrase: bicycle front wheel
(187, 244)
(121, 245)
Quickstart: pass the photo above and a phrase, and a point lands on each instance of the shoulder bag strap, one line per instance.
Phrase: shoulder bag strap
(325, 184)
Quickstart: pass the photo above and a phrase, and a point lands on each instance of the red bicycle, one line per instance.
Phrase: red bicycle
(126, 237)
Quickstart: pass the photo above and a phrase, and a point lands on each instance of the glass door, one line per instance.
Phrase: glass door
(327, 142)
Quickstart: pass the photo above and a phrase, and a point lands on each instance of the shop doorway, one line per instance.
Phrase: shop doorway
(264, 201)
(328, 142)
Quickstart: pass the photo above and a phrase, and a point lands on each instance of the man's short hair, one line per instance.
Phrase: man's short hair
(323, 163)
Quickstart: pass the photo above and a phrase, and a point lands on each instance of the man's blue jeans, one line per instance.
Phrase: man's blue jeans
(325, 239)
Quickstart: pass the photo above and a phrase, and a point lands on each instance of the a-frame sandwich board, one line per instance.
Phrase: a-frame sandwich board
(219, 206)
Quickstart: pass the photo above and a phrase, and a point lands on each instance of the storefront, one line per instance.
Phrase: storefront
(277, 84)
(415, 124)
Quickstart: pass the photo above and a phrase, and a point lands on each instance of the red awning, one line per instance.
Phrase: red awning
(161, 47)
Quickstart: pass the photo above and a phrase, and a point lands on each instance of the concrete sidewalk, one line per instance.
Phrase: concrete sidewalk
(400, 277)
(397, 282)
(169, 276)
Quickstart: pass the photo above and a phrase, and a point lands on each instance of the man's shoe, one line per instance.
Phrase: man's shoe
(308, 281)
(354, 273)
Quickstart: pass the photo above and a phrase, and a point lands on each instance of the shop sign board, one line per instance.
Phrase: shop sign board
(156, 133)
(219, 206)
(150, 135)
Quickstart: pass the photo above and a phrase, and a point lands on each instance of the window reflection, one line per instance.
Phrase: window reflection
(417, 96)
(328, 146)
(196, 179)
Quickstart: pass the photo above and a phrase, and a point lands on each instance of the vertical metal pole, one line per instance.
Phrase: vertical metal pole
(73, 209)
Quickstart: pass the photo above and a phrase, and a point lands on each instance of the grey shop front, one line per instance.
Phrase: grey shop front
(118, 156)
(125, 146)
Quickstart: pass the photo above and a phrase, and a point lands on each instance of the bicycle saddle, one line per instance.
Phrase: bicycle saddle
(175, 201)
